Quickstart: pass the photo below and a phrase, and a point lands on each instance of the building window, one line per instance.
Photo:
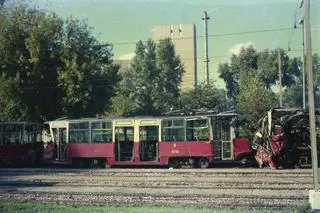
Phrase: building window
(171, 30)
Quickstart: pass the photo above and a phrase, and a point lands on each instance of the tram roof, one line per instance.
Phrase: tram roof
(222, 114)
(18, 122)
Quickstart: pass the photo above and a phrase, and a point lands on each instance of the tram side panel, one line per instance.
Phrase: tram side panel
(183, 149)
(88, 150)
(186, 142)
(241, 148)
(21, 154)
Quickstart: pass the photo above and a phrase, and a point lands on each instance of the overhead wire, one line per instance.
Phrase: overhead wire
(216, 35)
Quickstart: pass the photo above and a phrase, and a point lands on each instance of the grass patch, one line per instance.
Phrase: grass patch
(37, 207)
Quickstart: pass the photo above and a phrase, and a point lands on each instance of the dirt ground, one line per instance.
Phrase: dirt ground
(220, 187)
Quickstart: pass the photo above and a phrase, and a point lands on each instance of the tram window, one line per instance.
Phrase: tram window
(225, 132)
(32, 133)
(198, 130)
(39, 136)
(37, 133)
(148, 133)
(173, 130)
(79, 132)
(12, 133)
(221, 130)
(217, 131)
(178, 123)
(227, 150)
(101, 132)
(124, 134)
(167, 123)
(28, 134)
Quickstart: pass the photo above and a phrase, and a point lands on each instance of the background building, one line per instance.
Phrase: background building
(184, 39)
(124, 64)
(124, 61)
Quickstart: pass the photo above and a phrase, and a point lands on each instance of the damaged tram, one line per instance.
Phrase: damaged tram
(283, 139)
(176, 141)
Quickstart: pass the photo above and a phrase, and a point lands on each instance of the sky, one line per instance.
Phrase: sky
(265, 24)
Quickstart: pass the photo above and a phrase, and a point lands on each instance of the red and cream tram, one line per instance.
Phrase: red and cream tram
(192, 141)
(20, 144)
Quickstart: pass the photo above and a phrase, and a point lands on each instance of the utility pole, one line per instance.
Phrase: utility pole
(280, 77)
(303, 67)
(206, 61)
(303, 64)
(308, 68)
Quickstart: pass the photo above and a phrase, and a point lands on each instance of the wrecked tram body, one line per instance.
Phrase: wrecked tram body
(282, 139)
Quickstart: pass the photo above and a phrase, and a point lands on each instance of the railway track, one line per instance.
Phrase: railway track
(171, 184)
(158, 170)
(99, 198)
(210, 187)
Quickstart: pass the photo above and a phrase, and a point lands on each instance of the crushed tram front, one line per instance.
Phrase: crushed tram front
(283, 139)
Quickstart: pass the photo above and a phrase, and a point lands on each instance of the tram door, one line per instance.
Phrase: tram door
(149, 143)
(223, 140)
(124, 143)
(60, 139)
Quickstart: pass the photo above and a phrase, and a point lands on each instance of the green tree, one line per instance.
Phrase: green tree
(316, 71)
(59, 67)
(11, 106)
(230, 72)
(122, 101)
(262, 64)
(151, 85)
(87, 76)
(293, 95)
(254, 99)
(29, 57)
(205, 97)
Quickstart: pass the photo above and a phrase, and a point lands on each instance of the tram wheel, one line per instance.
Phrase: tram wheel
(78, 163)
(203, 163)
(104, 164)
(297, 166)
(94, 163)
(174, 163)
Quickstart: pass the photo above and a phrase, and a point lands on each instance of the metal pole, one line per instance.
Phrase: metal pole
(280, 77)
(312, 120)
(303, 69)
(206, 18)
